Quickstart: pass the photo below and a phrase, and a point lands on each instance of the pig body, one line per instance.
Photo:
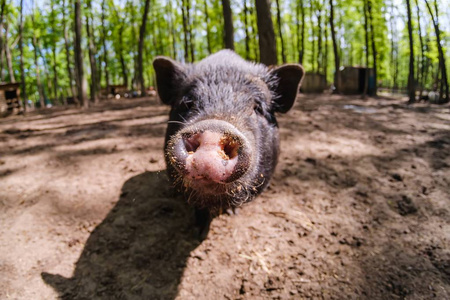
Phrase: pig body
(222, 143)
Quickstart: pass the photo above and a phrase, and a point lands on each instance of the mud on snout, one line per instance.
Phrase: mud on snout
(212, 159)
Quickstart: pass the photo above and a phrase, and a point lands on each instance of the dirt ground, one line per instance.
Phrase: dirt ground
(358, 208)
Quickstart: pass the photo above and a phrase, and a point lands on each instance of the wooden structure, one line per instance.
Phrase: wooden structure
(313, 83)
(9, 98)
(353, 80)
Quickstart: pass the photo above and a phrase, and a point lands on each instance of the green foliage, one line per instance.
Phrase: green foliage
(164, 36)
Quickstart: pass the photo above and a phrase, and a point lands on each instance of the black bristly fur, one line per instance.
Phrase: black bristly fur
(225, 87)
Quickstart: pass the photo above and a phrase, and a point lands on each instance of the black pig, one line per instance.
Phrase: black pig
(222, 141)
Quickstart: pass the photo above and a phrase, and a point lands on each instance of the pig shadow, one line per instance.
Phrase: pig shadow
(140, 249)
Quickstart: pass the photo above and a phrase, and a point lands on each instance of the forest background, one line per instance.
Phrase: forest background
(58, 49)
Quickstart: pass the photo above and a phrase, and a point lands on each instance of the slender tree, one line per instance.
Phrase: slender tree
(170, 20)
(45, 68)
(374, 48)
(190, 31)
(247, 34)
(185, 30)
(104, 37)
(337, 75)
(280, 32)
(266, 34)
(228, 19)
(34, 42)
(411, 79)
(2, 13)
(394, 49)
(121, 47)
(9, 63)
(319, 58)
(208, 33)
(254, 25)
(366, 39)
(92, 53)
(140, 62)
(300, 32)
(325, 55)
(313, 36)
(54, 39)
(444, 86)
(22, 69)
(421, 68)
(68, 57)
(82, 96)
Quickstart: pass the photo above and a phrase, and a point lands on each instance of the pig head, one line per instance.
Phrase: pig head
(222, 141)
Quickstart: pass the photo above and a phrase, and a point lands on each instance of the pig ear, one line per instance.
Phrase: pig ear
(169, 75)
(289, 79)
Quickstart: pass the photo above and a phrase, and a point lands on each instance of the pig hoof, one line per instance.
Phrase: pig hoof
(232, 211)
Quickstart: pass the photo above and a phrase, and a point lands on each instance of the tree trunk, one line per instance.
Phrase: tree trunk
(82, 96)
(171, 28)
(228, 25)
(280, 32)
(38, 75)
(442, 64)
(22, 69)
(134, 54)
(208, 36)
(54, 40)
(411, 80)
(160, 33)
(254, 24)
(191, 43)
(374, 48)
(2, 12)
(366, 37)
(319, 39)
(313, 54)
(92, 61)
(297, 29)
(393, 48)
(140, 62)
(46, 72)
(68, 58)
(105, 49)
(266, 34)
(302, 51)
(8, 56)
(120, 49)
(123, 65)
(421, 70)
(427, 61)
(247, 34)
(325, 55)
(185, 31)
(34, 43)
(2, 54)
(337, 75)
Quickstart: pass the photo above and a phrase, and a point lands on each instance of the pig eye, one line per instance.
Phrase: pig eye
(185, 105)
(258, 108)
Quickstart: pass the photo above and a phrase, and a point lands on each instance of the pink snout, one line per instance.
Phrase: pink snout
(210, 151)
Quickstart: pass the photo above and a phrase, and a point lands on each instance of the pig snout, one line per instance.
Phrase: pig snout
(210, 151)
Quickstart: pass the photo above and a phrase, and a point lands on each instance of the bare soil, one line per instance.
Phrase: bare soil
(358, 208)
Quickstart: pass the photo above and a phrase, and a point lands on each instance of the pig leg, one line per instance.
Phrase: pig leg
(202, 222)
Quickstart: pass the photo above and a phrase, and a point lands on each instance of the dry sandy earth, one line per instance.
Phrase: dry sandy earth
(358, 208)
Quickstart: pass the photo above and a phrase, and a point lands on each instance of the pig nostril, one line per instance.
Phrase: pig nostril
(230, 147)
(191, 143)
